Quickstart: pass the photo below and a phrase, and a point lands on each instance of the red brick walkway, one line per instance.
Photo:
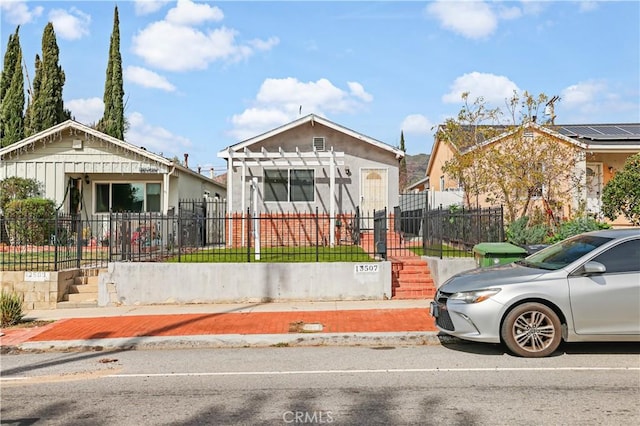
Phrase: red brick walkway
(348, 321)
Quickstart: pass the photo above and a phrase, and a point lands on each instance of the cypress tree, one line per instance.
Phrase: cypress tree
(403, 164)
(30, 118)
(113, 122)
(46, 108)
(12, 93)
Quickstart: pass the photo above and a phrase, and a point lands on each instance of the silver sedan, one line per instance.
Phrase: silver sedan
(585, 288)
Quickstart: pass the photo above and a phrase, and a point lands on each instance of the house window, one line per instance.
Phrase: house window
(318, 144)
(441, 183)
(289, 185)
(127, 197)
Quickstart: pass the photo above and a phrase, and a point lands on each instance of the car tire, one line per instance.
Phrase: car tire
(531, 330)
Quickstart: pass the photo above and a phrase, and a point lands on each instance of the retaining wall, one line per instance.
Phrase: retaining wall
(39, 290)
(154, 283)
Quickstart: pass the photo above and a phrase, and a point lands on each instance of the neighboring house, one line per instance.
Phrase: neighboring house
(606, 147)
(308, 164)
(90, 173)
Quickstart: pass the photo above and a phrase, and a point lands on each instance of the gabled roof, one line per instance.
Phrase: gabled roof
(74, 125)
(312, 119)
(591, 137)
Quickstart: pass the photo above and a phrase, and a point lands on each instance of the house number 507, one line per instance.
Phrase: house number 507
(367, 268)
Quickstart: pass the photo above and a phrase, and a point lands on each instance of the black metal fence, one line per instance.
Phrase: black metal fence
(453, 231)
(202, 231)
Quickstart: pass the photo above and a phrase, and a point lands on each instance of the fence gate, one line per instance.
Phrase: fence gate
(380, 232)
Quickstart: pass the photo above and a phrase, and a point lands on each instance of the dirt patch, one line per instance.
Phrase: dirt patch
(29, 324)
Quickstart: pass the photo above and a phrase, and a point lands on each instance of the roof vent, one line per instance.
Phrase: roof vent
(318, 144)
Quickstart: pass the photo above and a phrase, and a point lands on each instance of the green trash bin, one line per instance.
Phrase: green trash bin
(489, 254)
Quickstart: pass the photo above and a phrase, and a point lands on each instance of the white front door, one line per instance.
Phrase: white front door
(594, 188)
(373, 193)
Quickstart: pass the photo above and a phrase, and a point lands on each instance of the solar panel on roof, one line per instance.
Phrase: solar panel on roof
(633, 129)
(608, 130)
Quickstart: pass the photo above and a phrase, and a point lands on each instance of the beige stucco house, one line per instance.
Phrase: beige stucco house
(603, 149)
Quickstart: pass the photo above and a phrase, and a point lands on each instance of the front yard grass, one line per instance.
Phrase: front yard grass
(275, 255)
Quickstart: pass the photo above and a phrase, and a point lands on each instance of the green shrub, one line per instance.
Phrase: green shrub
(519, 232)
(30, 221)
(577, 226)
(11, 305)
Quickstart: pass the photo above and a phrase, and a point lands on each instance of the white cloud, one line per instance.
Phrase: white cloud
(493, 88)
(17, 12)
(471, 19)
(581, 93)
(188, 13)
(358, 91)
(282, 100)
(146, 7)
(70, 25)
(416, 124)
(86, 111)
(180, 48)
(155, 138)
(146, 78)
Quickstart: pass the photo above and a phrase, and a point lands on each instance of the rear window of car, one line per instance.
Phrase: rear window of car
(568, 251)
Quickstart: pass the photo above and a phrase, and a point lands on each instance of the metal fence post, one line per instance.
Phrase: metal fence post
(78, 242)
(248, 227)
(317, 235)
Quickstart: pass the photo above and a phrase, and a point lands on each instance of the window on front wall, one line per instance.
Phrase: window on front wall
(129, 197)
(289, 185)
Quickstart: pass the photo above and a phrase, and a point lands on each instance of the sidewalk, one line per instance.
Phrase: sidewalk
(380, 322)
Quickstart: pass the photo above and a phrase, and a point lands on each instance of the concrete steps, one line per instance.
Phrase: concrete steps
(83, 292)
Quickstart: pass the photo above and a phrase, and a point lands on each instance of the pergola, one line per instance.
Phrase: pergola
(263, 158)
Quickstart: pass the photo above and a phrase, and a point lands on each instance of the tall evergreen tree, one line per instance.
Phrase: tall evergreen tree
(113, 122)
(403, 165)
(12, 93)
(46, 107)
(30, 119)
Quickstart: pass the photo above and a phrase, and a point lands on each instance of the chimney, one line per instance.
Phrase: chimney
(199, 169)
(211, 174)
(186, 160)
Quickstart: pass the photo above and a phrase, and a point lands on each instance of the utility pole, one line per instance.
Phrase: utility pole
(550, 109)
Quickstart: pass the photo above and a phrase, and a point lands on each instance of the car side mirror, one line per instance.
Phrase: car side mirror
(593, 268)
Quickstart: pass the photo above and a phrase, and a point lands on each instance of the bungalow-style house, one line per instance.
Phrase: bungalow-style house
(312, 163)
(90, 173)
(603, 150)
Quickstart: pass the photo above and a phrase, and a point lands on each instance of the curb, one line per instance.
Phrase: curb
(235, 341)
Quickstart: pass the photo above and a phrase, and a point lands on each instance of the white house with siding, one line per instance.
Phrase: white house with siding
(86, 171)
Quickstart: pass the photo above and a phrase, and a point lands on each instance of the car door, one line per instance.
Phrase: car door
(609, 303)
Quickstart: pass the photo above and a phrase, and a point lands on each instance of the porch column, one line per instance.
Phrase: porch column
(332, 199)
(230, 197)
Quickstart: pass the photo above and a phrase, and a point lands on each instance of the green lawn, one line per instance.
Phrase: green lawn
(277, 254)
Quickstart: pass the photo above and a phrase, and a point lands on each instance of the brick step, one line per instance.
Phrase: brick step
(413, 286)
(413, 271)
(414, 294)
(414, 278)
(83, 288)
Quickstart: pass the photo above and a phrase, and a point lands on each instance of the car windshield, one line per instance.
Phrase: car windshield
(565, 252)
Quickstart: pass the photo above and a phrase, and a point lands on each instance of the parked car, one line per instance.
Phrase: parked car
(583, 289)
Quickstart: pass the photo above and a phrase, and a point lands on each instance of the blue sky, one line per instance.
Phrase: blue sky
(203, 75)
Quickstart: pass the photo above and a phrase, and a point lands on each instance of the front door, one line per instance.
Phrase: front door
(594, 188)
(373, 194)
